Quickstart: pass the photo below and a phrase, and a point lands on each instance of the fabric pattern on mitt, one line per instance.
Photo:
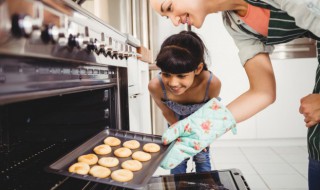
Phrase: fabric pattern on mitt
(196, 132)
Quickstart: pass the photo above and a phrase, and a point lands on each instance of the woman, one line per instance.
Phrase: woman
(255, 26)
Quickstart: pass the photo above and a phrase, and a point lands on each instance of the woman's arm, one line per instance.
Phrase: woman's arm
(262, 91)
(156, 92)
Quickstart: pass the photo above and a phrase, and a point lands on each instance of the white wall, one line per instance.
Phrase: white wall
(295, 79)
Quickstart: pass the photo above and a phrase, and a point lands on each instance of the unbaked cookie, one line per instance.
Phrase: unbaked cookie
(90, 159)
(132, 165)
(122, 175)
(102, 149)
(100, 171)
(132, 144)
(108, 161)
(112, 141)
(79, 168)
(122, 152)
(141, 156)
(151, 147)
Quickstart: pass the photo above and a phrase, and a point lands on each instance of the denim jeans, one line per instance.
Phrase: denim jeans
(314, 174)
(202, 162)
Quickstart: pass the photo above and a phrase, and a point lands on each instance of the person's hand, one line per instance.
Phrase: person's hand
(196, 132)
(310, 108)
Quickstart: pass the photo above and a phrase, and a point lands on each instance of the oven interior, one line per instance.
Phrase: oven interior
(37, 132)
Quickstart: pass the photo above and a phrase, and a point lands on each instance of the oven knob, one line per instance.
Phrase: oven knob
(73, 41)
(126, 51)
(50, 33)
(108, 48)
(21, 25)
(92, 45)
(121, 51)
(130, 53)
(101, 45)
(115, 50)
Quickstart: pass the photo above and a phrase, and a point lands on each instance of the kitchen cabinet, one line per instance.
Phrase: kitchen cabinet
(139, 97)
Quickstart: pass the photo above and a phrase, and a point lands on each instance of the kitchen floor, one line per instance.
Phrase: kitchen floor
(264, 167)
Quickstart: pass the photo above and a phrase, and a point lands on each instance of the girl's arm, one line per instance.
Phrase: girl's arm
(262, 91)
(156, 92)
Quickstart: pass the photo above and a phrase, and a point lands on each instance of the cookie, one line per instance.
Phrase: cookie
(108, 161)
(132, 144)
(122, 152)
(141, 156)
(151, 147)
(100, 171)
(102, 149)
(79, 168)
(132, 165)
(112, 141)
(122, 175)
(90, 159)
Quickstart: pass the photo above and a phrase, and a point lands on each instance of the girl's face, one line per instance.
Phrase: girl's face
(191, 12)
(177, 84)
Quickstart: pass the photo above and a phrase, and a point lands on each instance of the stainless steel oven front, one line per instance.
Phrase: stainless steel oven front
(63, 79)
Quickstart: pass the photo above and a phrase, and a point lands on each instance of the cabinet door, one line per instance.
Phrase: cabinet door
(133, 76)
(134, 113)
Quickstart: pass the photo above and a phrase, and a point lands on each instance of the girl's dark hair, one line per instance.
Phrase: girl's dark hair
(182, 53)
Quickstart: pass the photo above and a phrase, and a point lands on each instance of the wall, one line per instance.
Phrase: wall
(295, 79)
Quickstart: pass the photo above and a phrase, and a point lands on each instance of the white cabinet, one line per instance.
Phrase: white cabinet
(139, 98)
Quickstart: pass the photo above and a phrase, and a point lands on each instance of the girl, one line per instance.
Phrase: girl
(255, 25)
(184, 85)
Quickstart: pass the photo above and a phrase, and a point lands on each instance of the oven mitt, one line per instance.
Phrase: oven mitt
(196, 132)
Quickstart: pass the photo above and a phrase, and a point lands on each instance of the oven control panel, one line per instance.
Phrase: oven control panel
(60, 29)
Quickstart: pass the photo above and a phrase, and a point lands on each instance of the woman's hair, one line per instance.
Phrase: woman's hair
(182, 53)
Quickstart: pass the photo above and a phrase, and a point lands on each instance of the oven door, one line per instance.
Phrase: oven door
(231, 179)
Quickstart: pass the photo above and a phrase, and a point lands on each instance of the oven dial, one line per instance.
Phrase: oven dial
(50, 33)
(92, 44)
(121, 51)
(108, 47)
(21, 25)
(74, 41)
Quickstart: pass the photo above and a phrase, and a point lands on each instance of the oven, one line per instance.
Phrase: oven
(63, 79)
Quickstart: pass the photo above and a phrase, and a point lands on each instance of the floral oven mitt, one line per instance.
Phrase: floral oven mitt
(196, 132)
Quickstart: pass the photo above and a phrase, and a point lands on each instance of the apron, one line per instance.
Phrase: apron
(282, 28)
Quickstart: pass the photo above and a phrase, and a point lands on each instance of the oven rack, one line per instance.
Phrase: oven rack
(26, 162)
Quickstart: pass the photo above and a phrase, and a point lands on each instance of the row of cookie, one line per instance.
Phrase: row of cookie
(121, 175)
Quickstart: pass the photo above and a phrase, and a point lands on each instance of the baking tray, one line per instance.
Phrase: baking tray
(140, 178)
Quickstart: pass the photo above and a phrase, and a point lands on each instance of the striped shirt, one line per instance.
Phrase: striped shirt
(282, 28)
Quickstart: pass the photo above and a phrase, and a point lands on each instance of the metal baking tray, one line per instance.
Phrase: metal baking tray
(140, 178)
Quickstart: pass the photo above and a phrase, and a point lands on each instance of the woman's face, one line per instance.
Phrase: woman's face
(177, 84)
(191, 12)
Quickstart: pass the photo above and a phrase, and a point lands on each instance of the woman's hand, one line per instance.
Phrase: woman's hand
(310, 108)
(196, 132)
